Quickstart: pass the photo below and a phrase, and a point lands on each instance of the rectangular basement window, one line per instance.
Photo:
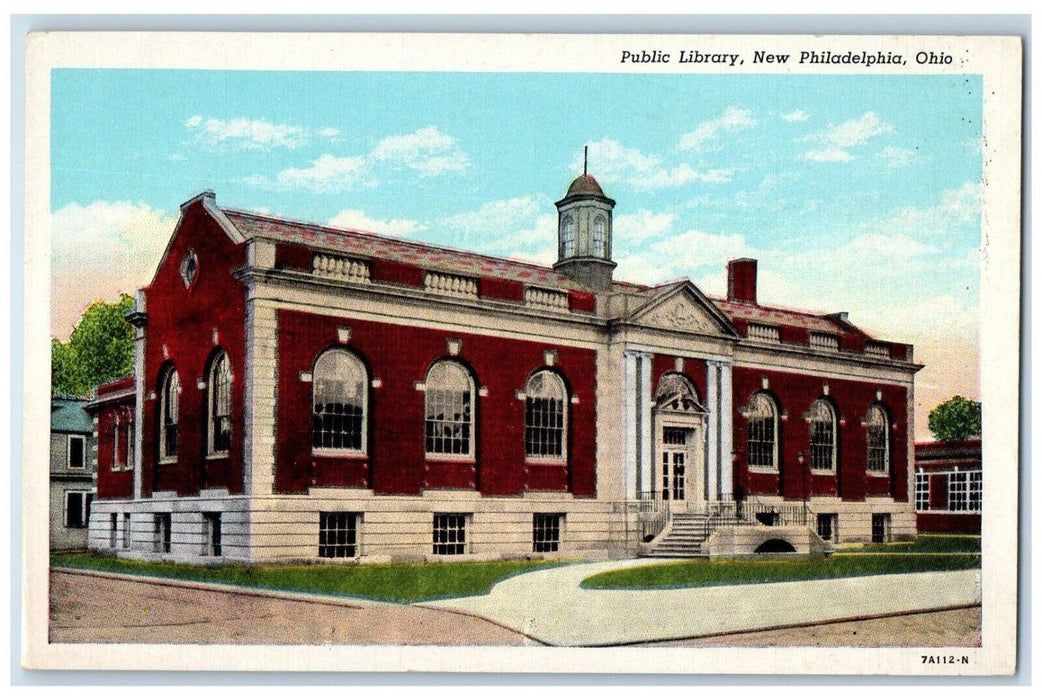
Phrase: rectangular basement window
(337, 535)
(827, 526)
(880, 527)
(450, 533)
(161, 533)
(211, 534)
(546, 532)
(126, 531)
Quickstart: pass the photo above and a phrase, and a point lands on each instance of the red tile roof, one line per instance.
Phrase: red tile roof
(366, 244)
(370, 245)
(774, 316)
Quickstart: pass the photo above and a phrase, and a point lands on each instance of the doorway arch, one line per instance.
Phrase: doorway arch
(679, 423)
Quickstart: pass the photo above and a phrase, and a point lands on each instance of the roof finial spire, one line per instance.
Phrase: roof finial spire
(586, 154)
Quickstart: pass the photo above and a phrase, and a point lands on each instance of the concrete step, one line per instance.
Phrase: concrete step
(684, 538)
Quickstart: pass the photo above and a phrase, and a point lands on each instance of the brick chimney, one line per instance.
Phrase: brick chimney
(741, 280)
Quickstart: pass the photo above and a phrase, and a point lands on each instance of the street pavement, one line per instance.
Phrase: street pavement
(548, 604)
(92, 607)
(544, 606)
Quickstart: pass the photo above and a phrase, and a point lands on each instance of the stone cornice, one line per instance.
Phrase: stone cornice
(860, 360)
(488, 305)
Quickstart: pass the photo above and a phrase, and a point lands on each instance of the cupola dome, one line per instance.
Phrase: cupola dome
(585, 184)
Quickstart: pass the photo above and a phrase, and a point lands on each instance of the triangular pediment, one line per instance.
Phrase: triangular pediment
(683, 307)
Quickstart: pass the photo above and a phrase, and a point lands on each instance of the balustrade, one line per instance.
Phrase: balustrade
(336, 267)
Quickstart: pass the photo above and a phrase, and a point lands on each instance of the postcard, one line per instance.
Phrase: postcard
(514, 353)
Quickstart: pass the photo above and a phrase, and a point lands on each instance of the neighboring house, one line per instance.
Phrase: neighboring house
(309, 393)
(949, 486)
(72, 473)
(115, 432)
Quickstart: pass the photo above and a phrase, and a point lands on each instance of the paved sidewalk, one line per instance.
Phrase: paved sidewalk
(548, 605)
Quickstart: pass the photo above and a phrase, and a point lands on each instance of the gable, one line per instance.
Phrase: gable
(684, 309)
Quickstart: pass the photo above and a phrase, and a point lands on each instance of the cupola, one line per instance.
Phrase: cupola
(584, 233)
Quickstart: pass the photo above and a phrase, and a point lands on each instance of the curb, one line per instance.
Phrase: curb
(342, 602)
(799, 625)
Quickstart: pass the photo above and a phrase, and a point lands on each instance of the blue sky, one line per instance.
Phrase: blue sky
(856, 193)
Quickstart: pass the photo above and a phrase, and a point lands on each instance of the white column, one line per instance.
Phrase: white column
(713, 404)
(726, 431)
(629, 410)
(259, 397)
(646, 442)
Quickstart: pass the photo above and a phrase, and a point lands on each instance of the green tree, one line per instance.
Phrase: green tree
(958, 418)
(66, 377)
(100, 349)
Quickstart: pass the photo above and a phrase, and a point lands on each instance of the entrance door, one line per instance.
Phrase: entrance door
(675, 457)
(679, 425)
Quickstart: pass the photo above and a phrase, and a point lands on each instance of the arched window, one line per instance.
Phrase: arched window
(878, 439)
(568, 236)
(449, 425)
(339, 402)
(822, 436)
(762, 441)
(169, 399)
(546, 403)
(600, 225)
(219, 400)
(677, 393)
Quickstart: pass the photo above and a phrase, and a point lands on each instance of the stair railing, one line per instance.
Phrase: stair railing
(654, 513)
(726, 511)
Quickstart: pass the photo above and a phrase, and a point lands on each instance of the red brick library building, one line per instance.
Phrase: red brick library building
(306, 393)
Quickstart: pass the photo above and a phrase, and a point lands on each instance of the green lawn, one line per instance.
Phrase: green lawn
(927, 544)
(716, 572)
(391, 582)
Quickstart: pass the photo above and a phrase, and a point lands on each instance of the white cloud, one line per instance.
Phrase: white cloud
(733, 119)
(427, 150)
(641, 268)
(770, 194)
(610, 161)
(694, 249)
(855, 132)
(797, 115)
(897, 157)
(326, 174)
(958, 208)
(535, 243)
(261, 181)
(542, 256)
(246, 134)
(838, 138)
(828, 155)
(359, 220)
(100, 250)
(680, 175)
(644, 225)
(492, 217)
(521, 227)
